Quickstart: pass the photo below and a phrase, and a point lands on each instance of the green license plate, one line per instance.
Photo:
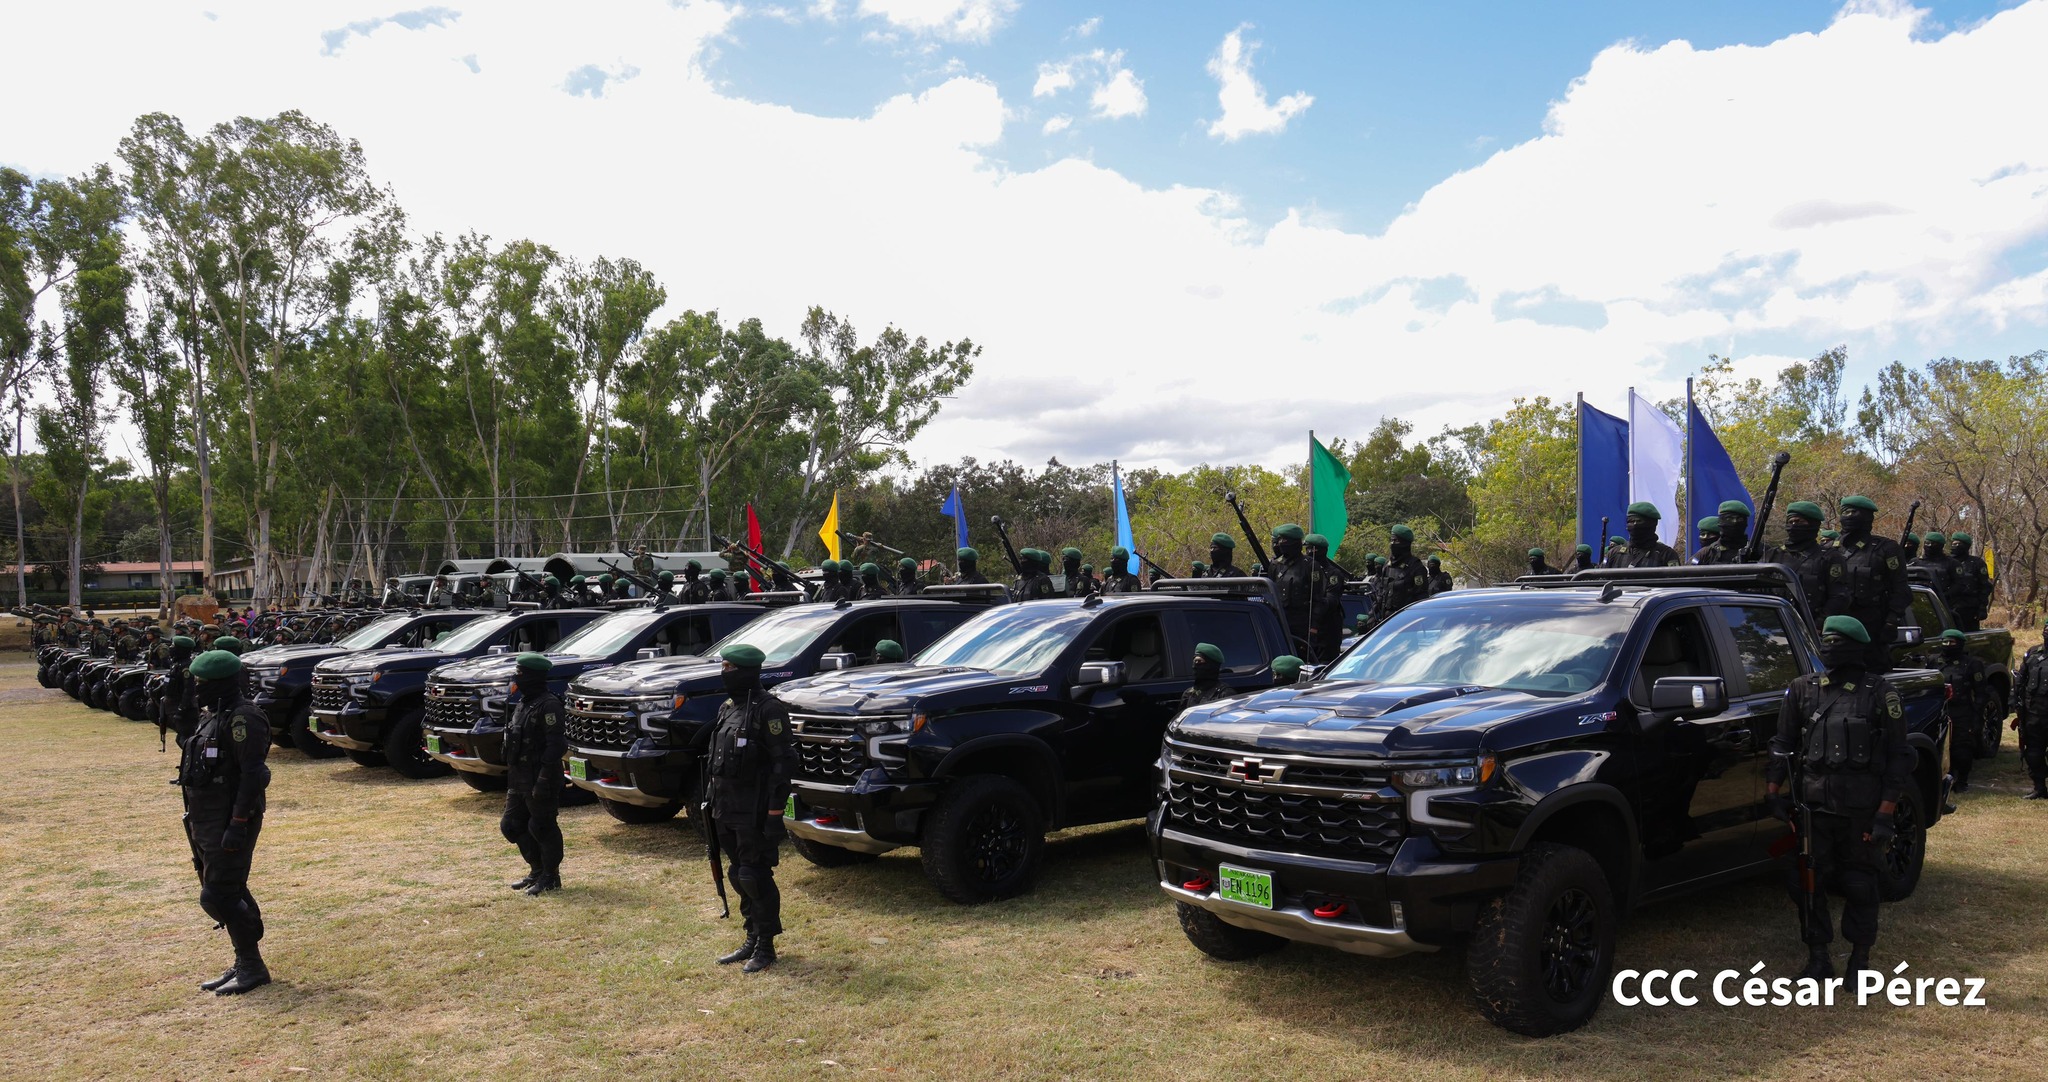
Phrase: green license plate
(789, 807)
(579, 769)
(312, 724)
(1244, 885)
(433, 745)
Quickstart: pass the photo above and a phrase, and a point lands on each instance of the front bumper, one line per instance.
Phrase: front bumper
(1420, 899)
(354, 726)
(467, 750)
(888, 815)
(647, 774)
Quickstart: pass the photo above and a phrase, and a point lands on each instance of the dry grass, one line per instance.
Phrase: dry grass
(400, 954)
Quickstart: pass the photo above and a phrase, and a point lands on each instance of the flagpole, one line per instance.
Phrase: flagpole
(1579, 433)
(1311, 480)
(1691, 523)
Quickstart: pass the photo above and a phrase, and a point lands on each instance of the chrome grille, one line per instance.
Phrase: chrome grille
(451, 706)
(329, 692)
(600, 721)
(838, 725)
(834, 762)
(1315, 807)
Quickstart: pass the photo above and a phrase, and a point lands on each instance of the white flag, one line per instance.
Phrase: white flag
(1656, 456)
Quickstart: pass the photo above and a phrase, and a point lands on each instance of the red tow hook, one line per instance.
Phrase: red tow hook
(1331, 910)
(825, 820)
(1200, 884)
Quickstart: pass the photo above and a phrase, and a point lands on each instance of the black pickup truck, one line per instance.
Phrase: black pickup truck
(1026, 719)
(1513, 770)
(371, 704)
(1991, 645)
(466, 702)
(280, 678)
(631, 728)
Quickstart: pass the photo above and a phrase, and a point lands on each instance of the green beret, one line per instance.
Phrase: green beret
(1584, 550)
(967, 556)
(215, 665)
(867, 569)
(1070, 553)
(1088, 569)
(1733, 507)
(1911, 538)
(743, 656)
(1806, 510)
(1288, 531)
(1402, 532)
(185, 641)
(1119, 553)
(665, 576)
(551, 582)
(1860, 503)
(1846, 626)
(717, 574)
(231, 644)
(693, 566)
(577, 580)
(1223, 541)
(1372, 557)
(1710, 524)
(1533, 553)
(1960, 536)
(906, 564)
(1315, 541)
(1645, 509)
(1209, 651)
(1434, 560)
(1201, 568)
(1038, 555)
(1935, 537)
(1378, 560)
(742, 575)
(1831, 534)
(1364, 620)
(1952, 635)
(604, 580)
(532, 662)
(1287, 665)
(1617, 539)
(889, 650)
(830, 567)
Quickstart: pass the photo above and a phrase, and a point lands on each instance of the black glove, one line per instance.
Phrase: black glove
(235, 836)
(1882, 831)
(773, 830)
(1781, 806)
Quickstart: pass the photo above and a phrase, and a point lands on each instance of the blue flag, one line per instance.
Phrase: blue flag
(1603, 475)
(958, 510)
(1123, 517)
(1713, 476)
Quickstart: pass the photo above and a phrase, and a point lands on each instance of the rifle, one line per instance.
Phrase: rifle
(1910, 512)
(1003, 531)
(1802, 817)
(662, 598)
(1600, 550)
(1250, 534)
(866, 540)
(763, 561)
(1147, 561)
(1754, 551)
(717, 865)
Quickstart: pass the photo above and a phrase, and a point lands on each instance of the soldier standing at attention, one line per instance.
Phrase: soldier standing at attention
(223, 774)
(1847, 729)
(1439, 579)
(2030, 715)
(970, 568)
(1326, 621)
(749, 765)
(716, 586)
(1286, 670)
(1223, 557)
(1070, 571)
(906, 578)
(1818, 566)
(1582, 560)
(1294, 580)
(1644, 550)
(1208, 686)
(1970, 695)
(1405, 580)
(534, 745)
(1117, 579)
(871, 584)
(1973, 582)
(695, 590)
(1830, 537)
(1873, 580)
(1034, 583)
(1538, 565)
(1934, 559)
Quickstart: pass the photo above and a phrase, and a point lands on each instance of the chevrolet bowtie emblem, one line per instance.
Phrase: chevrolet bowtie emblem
(1256, 771)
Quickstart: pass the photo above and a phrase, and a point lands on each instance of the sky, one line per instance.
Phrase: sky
(1185, 232)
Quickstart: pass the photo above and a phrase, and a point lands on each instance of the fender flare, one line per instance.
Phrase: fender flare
(1043, 762)
(1590, 793)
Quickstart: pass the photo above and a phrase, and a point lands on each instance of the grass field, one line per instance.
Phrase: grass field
(400, 954)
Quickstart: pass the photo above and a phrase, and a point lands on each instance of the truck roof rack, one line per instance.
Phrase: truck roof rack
(774, 599)
(991, 592)
(1775, 580)
(1251, 587)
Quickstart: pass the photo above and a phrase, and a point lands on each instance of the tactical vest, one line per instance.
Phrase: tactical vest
(2036, 686)
(204, 762)
(736, 748)
(525, 735)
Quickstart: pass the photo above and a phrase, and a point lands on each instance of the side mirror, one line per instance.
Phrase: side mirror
(1689, 696)
(1108, 674)
(646, 652)
(1909, 636)
(501, 649)
(835, 662)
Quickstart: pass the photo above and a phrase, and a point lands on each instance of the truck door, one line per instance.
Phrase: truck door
(1112, 742)
(1698, 814)
(1768, 652)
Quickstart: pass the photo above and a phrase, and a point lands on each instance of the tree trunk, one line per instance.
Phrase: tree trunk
(77, 548)
(20, 528)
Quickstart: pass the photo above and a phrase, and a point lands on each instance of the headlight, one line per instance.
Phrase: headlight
(652, 712)
(883, 726)
(1476, 772)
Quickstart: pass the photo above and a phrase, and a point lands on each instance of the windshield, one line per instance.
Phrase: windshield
(1487, 643)
(373, 633)
(781, 635)
(471, 635)
(1011, 641)
(607, 635)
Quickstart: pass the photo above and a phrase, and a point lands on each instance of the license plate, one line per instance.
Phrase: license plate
(1245, 885)
(312, 724)
(789, 807)
(579, 769)
(433, 745)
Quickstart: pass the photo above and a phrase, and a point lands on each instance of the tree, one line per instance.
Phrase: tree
(1525, 488)
(603, 311)
(30, 265)
(153, 382)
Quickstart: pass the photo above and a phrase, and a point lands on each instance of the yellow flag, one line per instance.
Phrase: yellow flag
(829, 533)
(1990, 561)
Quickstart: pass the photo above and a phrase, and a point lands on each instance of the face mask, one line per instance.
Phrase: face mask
(1218, 557)
(1287, 548)
(216, 695)
(1206, 671)
(1642, 531)
(1952, 649)
(1855, 522)
(526, 684)
(1840, 653)
(739, 681)
(1800, 530)
(1399, 548)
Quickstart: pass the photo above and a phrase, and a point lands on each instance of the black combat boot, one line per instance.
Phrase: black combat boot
(764, 956)
(530, 878)
(249, 974)
(214, 984)
(2040, 792)
(1859, 960)
(543, 883)
(1818, 965)
(745, 952)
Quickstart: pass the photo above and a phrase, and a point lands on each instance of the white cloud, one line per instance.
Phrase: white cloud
(332, 40)
(1863, 185)
(1052, 78)
(954, 20)
(1123, 95)
(1088, 27)
(1245, 108)
(1057, 124)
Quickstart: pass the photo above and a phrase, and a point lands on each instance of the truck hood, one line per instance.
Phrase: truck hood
(878, 689)
(1351, 717)
(387, 659)
(649, 676)
(499, 668)
(296, 654)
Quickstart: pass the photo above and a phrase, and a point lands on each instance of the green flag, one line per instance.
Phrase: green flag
(1328, 481)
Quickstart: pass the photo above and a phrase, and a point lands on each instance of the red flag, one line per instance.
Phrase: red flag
(754, 540)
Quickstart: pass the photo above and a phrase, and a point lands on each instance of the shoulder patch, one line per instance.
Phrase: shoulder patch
(775, 724)
(241, 730)
(552, 719)
(1892, 562)
(1834, 571)
(1892, 705)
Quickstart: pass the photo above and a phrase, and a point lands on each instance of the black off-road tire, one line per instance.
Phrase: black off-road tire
(1222, 940)
(1898, 867)
(1540, 955)
(639, 814)
(485, 783)
(829, 856)
(46, 676)
(405, 750)
(983, 840)
(1992, 730)
(312, 746)
(133, 705)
